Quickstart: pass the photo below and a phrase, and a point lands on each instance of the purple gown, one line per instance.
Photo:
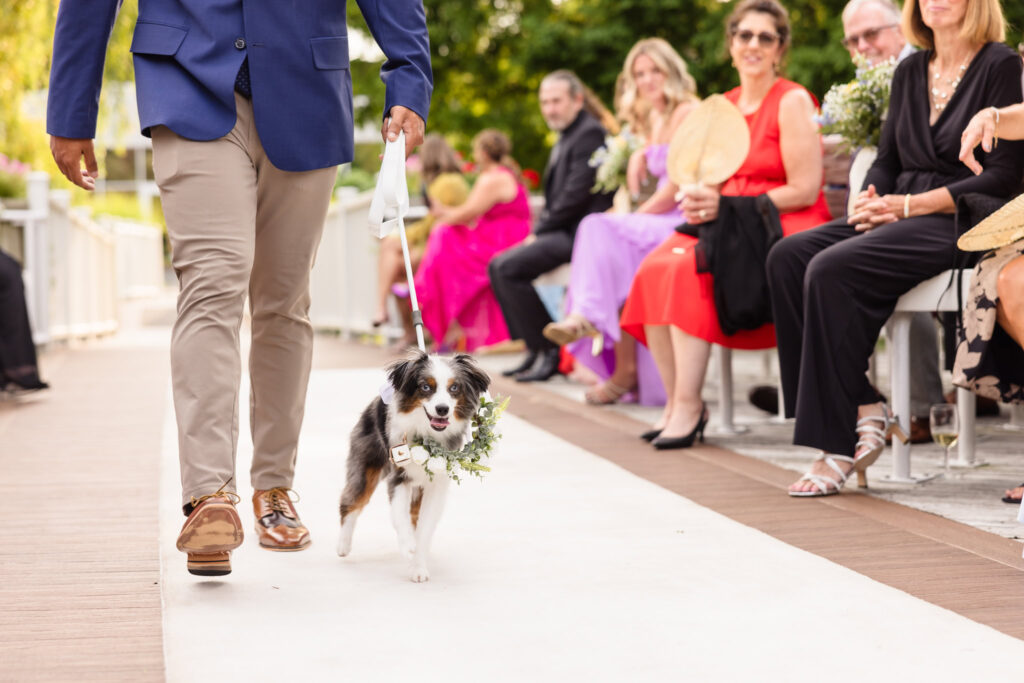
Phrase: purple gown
(608, 250)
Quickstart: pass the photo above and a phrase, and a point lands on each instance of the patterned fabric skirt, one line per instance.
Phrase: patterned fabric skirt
(988, 361)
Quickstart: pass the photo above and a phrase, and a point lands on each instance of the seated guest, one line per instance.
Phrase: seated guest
(833, 288)
(656, 95)
(990, 358)
(451, 282)
(19, 370)
(575, 115)
(442, 182)
(671, 307)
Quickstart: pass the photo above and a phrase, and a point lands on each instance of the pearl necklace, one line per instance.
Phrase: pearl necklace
(941, 97)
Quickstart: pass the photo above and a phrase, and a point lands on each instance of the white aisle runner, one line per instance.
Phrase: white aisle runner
(558, 566)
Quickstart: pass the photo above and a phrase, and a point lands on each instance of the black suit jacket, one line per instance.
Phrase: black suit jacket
(569, 178)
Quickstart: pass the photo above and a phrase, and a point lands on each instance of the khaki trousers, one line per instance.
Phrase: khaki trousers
(238, 226)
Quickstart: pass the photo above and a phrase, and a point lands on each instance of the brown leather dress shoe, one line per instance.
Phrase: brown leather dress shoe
(277, 522)
(210, 533)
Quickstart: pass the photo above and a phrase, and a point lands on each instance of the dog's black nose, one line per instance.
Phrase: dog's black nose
(441, 410)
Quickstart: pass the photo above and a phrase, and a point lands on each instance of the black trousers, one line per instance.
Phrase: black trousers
(832, 290)
(512, 273)
(17, 350)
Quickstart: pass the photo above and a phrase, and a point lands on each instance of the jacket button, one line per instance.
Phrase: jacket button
(240, 43)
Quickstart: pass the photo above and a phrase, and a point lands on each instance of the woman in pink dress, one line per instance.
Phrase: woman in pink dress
(454, 291)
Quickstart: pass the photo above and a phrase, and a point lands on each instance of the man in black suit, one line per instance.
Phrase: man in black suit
(568, 180)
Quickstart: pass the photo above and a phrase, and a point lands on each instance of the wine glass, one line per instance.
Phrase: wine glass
(942, 419)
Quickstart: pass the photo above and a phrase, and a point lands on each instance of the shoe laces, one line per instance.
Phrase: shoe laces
(279, 500)
(219, 493)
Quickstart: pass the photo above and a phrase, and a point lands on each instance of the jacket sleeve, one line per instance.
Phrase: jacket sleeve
(573, 200)
(79, 49)
(400, 29)
(1002, 166)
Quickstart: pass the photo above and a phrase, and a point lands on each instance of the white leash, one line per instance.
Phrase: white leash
(388, 209)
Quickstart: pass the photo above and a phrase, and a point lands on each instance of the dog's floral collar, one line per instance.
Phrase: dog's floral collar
(428, 453)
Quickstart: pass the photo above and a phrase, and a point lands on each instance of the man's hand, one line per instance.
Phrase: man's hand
(402, 118)
(68, 152)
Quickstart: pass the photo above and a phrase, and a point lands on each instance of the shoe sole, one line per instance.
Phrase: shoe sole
(217, 530)
(209, 564)
(286, 548)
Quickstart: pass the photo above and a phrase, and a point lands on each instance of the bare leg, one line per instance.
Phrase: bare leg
(1010, 289)
(623, 378)
(660, 345)
(690, 358)
(819, 467)
(390, 269)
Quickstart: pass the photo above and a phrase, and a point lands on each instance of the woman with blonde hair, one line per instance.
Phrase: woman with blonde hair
(655, 93)
(454, 290)
(834, 287)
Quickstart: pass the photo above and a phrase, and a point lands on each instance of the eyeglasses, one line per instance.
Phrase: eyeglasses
(764, 39)
(871, 35)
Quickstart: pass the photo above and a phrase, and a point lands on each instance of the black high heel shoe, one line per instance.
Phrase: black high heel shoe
(664, 444)
(650, 435)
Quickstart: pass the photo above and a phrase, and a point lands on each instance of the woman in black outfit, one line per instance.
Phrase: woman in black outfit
(834, 287)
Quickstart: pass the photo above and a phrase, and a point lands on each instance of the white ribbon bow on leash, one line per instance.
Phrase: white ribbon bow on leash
(388, 209)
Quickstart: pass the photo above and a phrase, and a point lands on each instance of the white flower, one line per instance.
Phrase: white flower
(419, 454)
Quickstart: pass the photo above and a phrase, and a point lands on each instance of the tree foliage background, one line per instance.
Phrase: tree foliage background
(489, 57)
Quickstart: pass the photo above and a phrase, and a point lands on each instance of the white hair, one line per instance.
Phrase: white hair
(888, 6)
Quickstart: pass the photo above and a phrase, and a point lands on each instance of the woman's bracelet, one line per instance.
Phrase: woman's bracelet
(995, 132)
(906, 206)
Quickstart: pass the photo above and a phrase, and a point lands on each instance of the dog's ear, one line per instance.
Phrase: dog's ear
(405, 370)
(477, 379)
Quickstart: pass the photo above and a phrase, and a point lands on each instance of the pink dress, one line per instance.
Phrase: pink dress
(452, 282)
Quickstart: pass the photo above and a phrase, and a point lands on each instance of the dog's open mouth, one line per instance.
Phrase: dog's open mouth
(438, 424)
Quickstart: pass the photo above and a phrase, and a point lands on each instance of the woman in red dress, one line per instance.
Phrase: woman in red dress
(671, 307)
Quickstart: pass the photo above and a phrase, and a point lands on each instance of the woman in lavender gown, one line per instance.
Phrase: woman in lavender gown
(654, 94)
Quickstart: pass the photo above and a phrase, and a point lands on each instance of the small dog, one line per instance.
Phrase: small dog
(434, 398)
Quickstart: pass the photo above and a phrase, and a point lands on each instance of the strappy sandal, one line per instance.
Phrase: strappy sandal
(824, 484)
(572, 329)
(605, 394)
(874, 438)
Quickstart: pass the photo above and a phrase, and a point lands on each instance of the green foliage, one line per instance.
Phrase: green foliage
(489, 56)
(351, 176)
(467, 460)
(123, 205)
(855, 109)
(12, 184)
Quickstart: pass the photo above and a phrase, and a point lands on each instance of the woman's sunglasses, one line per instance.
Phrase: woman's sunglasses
(764, 39)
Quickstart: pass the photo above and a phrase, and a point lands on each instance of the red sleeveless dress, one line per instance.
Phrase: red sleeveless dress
(668, 290)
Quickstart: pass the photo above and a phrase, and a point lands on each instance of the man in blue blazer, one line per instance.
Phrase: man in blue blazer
(249, 105)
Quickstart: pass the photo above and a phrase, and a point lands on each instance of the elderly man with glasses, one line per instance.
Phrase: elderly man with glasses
(872, 28)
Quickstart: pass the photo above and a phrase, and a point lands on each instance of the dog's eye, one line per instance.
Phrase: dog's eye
(425, 388)
(454, 388)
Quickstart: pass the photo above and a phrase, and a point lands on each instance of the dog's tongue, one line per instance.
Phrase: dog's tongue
(438, 422)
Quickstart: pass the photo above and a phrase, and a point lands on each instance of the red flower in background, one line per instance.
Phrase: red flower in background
(469, 167)
(532, 178)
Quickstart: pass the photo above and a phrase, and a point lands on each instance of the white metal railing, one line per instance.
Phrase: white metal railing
(76, 269)
(343, 283)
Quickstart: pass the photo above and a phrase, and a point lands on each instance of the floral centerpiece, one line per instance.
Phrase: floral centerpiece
(855, 110)
(12, 177)
(611, 160)
(429, 453)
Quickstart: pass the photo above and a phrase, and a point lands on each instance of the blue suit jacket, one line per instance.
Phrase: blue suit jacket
(188, 52)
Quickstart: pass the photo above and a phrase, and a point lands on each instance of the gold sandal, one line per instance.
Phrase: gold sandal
(572, 329)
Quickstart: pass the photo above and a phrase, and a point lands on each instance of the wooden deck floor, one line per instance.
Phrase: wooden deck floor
(80, 597)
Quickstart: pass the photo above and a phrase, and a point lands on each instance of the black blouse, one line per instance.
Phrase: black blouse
(914, 156)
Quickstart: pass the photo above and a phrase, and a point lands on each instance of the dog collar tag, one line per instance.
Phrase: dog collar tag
(400, 453)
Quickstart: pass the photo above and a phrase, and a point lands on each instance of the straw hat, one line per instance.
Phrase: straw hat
(710, 144)
(1002, 227)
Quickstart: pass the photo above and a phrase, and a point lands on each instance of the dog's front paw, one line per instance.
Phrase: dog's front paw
(419, 573)
(344, 546)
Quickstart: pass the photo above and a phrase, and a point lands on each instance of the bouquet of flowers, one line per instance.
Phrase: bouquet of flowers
(467, 460)
(611, 160)
(855, 110)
